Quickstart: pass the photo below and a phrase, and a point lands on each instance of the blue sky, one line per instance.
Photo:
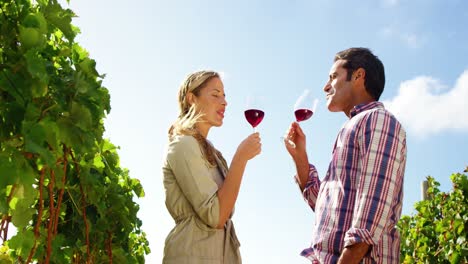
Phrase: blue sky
(275, 50)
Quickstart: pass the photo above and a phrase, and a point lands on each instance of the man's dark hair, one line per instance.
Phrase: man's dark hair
(363, 58)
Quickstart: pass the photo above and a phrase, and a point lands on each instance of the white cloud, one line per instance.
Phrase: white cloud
(410, 39)
(424, 106)
(390, 3)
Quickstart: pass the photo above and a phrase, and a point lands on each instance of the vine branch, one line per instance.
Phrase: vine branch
(39, 216)
(83, 209)
(52, 213)
(6, 219)
(62, 190)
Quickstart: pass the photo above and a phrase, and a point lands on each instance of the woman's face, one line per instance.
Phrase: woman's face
(211, 103)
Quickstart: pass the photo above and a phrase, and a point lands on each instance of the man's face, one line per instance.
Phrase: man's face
(339, 91)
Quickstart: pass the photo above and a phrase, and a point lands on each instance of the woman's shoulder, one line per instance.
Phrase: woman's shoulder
(182, 142)
(183, 139)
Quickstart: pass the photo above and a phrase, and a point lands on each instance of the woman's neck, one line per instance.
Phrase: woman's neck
(203, 130)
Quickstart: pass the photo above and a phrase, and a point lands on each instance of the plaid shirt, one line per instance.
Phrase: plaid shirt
(360, 198)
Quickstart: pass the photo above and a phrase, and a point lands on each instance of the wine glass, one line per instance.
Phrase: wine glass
(304, 108)
(253, 114)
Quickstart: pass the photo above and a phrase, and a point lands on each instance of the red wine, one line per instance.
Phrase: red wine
(303, 114)
(254, 116)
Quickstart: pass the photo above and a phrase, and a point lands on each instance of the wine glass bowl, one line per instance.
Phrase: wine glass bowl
(254, 116)
(303, 114)
(304, 108)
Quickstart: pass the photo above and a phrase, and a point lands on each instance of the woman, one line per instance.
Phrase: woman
(200, 189)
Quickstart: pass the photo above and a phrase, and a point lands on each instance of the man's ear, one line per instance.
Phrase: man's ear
(359, 74)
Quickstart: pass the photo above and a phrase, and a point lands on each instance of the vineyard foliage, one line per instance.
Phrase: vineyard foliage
(61, 185)
(437, 233)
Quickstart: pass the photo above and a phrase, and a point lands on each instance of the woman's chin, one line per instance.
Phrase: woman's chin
(217, 123)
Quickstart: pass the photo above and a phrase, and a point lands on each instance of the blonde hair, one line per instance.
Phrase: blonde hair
(188, 116)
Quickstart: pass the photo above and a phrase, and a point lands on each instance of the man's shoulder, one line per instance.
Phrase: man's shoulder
(377, 112)
(381, 117)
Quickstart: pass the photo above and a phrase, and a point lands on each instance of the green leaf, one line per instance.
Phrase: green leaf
(26, 174)
(79, 53)
(21, 215)
(22, 242)
(61, 19)
(88, 66)
(4, 256)
(32, 113)
(137, 188)
(455, 258)
(12, 84)
(8, 170)
(58, 255)
(35, 139)
(81, 116)
(67, 133)
(42, 2)
(97, 163)
(460, 226)
(80, 83)
(39, 89)
(4, 207)
(37, 66)
(51, 134)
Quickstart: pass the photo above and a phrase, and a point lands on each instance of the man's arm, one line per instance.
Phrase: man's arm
(382, 148)
(307, 176)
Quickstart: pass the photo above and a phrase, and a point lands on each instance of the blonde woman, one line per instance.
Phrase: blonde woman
(200, 188)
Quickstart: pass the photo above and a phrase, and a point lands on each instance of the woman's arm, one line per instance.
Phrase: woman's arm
(228, 193)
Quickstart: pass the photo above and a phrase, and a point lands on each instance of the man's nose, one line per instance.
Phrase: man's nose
(327, 87)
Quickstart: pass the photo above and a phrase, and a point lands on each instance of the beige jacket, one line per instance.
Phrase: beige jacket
(191, 198)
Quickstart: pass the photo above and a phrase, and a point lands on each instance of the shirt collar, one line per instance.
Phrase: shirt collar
(363, 107)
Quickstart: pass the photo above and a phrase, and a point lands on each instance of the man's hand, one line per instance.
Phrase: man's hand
(296, 135)
(353, 254)
(298, 153)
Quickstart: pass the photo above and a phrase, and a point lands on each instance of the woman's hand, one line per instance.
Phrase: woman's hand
(249, 147)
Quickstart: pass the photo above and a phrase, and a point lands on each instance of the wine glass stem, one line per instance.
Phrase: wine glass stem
(255, 129)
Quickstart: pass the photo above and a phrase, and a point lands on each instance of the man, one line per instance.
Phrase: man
(358, 202)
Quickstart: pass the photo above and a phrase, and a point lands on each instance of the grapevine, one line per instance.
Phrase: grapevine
(61, 184)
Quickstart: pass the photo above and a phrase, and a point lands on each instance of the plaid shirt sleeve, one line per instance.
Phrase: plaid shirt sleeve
(312, 186)
(382, 146)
